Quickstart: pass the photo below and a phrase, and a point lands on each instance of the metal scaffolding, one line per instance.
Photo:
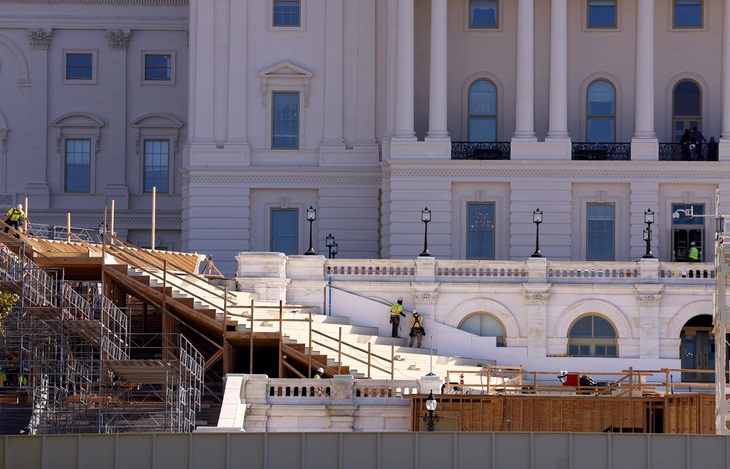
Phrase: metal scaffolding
(67, 350)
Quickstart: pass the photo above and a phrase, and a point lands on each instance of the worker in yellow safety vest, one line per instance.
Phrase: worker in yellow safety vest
(694, 253)
(396, 311)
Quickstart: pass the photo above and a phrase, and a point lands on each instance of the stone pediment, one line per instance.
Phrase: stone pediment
(285, 74)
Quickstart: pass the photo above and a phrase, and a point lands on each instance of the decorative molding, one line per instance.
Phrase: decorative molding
(285, 74)
(540, 299)
(649, 300)
(271, 179)
(102, 2)
(600, 197)
(40, 39)
(6, 199)
(688, 196)
(118, 39)
(4, 139)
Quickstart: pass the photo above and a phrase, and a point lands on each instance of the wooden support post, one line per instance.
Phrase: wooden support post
(281, 338)
(250, 342)
(392, 359)
(68, 227)
(309, 353)
(111, 229)
(369, 358)
(226, 357)
(339, 353)
(154, 209)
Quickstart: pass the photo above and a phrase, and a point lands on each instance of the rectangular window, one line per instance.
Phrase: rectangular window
(284, 230)
(78, 165)
(601, 13)
(79, 66)
(483, 14)
(287, 12)
(600, 232)
(285, 120)
(480, 231)
(156, 165)
(687, 13)
(158, 67)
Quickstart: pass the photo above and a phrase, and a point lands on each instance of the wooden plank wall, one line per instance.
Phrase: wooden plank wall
(679, 413)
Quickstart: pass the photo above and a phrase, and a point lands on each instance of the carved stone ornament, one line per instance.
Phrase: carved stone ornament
(537, 298)
(425, 297)
(118, 39)
(649, 300)
(40, 38)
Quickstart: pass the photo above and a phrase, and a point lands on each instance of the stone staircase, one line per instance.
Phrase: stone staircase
(333, 337)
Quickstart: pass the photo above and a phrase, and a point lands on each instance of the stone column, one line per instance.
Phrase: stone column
(237, 133)
(648, 299)
(725, 135)
(333, 74)
(558, 118)
(525, 86)
(405, 93)
(644, 94)
(437, 125)
(37, 188)
(113, 159)
(536, 298)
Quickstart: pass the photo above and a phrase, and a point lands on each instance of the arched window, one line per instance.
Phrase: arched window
(482, 111)
(484, 325)
(601, 112)
(687, 104)
(592, 336)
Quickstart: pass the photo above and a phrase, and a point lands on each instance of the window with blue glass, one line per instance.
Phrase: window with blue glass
(156, 165)
(592, 336)
(601, 13)
(688, 230)
(287, 12)
(284, 230)
(601, 112)
(158, 67)
(285, 125)
(480, 231)
(600, 227)
(484, 325)
(79, 66)
(78, 165)
(482, 111)
(483, 14)
(687, 105)
(687, 13)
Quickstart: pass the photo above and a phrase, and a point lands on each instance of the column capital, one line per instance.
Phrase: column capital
(40, 39)
(118, 39)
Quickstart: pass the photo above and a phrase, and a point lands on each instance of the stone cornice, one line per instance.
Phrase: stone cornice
(573, 171)
(318, 180)
(537, 298)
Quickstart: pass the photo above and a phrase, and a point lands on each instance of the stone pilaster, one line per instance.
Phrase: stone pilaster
(648, 300)
(536, 299)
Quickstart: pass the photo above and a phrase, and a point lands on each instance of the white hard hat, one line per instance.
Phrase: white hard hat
(692, 243)
(20, 206)
(415, 312)
(320, 370)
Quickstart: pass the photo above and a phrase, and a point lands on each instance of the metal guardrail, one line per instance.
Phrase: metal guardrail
(480, 150)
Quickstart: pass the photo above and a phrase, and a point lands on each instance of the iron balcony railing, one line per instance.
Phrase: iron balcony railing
(599, 151)
(677, 152)
(480, 150)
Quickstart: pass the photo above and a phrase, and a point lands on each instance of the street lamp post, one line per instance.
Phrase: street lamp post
(537, 219)
(430, 418)
(425, 218)
(311, 216)
(335, 249)
(331, 245)
(648, 219)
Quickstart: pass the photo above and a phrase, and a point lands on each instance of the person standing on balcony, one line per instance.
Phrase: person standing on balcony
(694, 252)
(698, 139)
(712, 150)
(684, 145)
(417, 329)
(396, 311)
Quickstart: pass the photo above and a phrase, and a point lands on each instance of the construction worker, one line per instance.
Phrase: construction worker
(694, 253)
(396, 311)
(14, 217)
(417, 329)
(320, 372)
(3, 378)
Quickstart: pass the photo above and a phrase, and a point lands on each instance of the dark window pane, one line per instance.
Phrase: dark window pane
(687, 14)
(286, 13)
(687, 99)
(600, 232)
(480, 231)
(79, 66)
(156, 165)
(157, 67)
(285, 125)
(483, 14)
(602, 13)
(284, 233)
(78, 165)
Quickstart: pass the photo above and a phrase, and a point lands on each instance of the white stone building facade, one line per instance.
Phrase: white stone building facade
(241, 114)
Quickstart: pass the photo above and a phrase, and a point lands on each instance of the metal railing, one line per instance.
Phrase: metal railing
(677, 152)
(601, 151)
(480, 150)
